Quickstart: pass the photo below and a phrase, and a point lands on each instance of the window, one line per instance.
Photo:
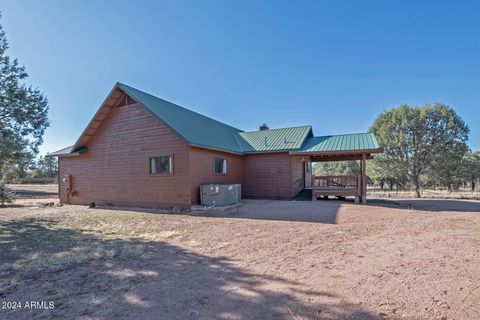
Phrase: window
(159, 165)
(220, 166)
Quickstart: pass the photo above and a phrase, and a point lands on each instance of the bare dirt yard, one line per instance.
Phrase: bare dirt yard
(390, 259)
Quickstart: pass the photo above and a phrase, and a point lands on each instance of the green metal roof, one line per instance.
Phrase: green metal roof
(204, 132)
(285, 139)
(198, 130)
(344, 142)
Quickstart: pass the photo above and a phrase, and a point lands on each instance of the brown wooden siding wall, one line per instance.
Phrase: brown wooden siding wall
(202, 170)
(267, 176)
(115, 169)
(297, 174)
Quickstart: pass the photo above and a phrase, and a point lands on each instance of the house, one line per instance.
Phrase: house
(140, 150)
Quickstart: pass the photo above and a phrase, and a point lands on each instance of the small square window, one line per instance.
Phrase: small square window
(220, 166)
(159, 165)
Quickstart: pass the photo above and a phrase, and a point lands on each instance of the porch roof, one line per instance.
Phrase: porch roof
(356, 143)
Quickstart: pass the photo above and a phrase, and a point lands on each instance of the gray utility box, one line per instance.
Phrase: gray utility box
(220, 194)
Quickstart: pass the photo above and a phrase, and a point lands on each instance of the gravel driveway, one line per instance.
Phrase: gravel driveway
(413, 259)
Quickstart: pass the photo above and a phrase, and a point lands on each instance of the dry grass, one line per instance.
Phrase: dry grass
(427, 194)
(61, 241)
(111, 224)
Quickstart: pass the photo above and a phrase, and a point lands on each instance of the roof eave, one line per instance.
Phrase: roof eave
(269, 151)
(367, 151)
(70, 154)
(197, 145)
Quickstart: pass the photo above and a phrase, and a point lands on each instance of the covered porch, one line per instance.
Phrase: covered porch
(354, 147)
(341, 186)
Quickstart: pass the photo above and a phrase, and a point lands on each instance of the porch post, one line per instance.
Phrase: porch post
(364, 177)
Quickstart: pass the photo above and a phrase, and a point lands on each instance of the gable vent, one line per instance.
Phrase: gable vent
(125, 101)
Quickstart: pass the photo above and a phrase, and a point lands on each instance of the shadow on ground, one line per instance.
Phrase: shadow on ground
(304, 195)
(162, 281)
(34, 194)
(282, 210)
(322, 211)
(326, 211)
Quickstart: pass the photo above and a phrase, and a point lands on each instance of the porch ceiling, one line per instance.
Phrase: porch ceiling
(339, 157)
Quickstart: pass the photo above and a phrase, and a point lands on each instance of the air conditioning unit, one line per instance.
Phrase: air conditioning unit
(220, 194)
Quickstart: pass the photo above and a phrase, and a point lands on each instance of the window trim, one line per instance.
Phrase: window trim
(161, 174)
(224, 166)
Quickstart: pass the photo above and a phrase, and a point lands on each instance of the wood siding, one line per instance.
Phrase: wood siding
(298, 170)
(202, 170)
(267, 176)
(115, 169)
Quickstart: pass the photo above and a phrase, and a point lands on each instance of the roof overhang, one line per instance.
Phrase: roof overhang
(67, 154)
(338, 152)
(267, 151)
(200, 146)
(341, 155)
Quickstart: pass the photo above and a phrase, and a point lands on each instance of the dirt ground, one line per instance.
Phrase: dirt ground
(390, 259)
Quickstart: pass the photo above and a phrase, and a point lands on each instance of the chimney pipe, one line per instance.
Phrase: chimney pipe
(264, 127)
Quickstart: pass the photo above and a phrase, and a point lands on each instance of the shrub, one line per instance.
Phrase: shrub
(7, 196)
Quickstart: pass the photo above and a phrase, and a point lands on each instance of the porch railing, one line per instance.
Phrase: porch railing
(336, 185)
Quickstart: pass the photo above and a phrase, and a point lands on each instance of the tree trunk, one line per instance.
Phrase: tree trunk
(416, 185)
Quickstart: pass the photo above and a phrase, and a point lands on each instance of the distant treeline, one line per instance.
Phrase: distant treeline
(30, 170)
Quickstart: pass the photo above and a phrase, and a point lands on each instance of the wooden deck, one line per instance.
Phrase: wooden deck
(339, 186)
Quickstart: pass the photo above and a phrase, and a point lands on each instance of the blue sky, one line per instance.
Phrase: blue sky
(333, 64)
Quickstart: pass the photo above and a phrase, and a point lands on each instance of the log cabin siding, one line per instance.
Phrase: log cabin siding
(202, 170)
(267, 176)
(115, 169)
